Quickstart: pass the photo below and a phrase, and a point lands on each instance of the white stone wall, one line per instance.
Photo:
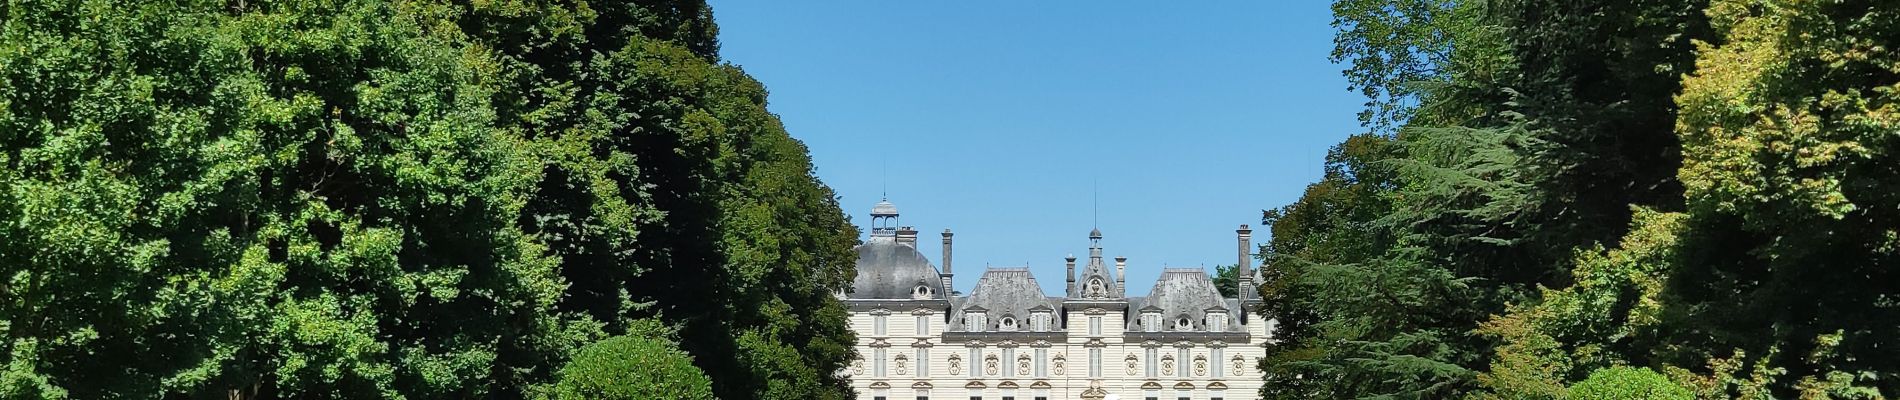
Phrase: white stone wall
(901, 337)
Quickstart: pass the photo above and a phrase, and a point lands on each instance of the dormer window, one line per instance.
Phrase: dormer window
(974, 321)
(1216, 321)
(1183, 324)
(1039, 321)
(922, 292)
(1151, 321)
(1007, 324)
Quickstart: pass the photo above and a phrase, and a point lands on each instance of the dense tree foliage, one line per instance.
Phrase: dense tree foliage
(1557, 189)
(395, 199)
(632, 368)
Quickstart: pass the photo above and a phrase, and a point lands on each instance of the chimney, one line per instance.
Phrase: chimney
(1245, 266)
(907, 236)
(1121, 274)
(946, 263)
(1071, 275)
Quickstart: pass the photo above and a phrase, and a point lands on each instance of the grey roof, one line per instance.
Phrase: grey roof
(884, 207)
(1097, 270)
(1004, 292)
(1185, 292)
(1095, 233)
(891, 270)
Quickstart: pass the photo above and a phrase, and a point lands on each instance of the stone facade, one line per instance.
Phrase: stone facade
(1007, 340)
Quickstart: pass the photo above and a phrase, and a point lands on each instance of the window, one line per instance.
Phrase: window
(923, 325)
(1217, 322)
(1184, 368)
(1151, 362)
(923, 394)
(975, 356)
(1182, 324)
(1042, 357)
(877, 362)
(1095, 363)
(1039, 322)
(923, 362)
(1151, 322)
(877, 397)
(1218, 372)
(1007, 324)
(1008, 354)
(877, 324)
(922, 292)
(1095, 326)
(974, 321)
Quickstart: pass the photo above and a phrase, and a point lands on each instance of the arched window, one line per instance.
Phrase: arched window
(1007, 324)
(1183, 324)
(1095, 289)
(921, 292)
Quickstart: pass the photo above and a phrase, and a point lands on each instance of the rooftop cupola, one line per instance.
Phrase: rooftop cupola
(884, 219)
(1096, 282)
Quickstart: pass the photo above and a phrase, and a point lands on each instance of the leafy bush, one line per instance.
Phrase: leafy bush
(1619, 383)
(632, 367)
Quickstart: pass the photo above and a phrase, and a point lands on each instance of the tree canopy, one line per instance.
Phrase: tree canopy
(394, 199)
(1551, 190)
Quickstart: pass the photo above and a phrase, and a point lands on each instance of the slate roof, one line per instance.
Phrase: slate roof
(891, 270)
(1096, 269)
(883, 208)
(1004, 292)
(1184, 291)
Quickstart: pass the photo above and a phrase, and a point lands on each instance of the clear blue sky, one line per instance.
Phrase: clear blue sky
(999, 120)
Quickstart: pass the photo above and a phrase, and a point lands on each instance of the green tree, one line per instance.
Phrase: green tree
(1227, 279)
(1787, 130)
(373, 199)
(1627, 383)
(632, 368)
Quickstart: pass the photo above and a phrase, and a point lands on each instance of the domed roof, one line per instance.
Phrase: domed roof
(1095, 233)
(889, 270)
(884, 207)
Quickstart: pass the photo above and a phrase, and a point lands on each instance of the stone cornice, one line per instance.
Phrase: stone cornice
(861, 305)
(1177, 336)
(1052, 336)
